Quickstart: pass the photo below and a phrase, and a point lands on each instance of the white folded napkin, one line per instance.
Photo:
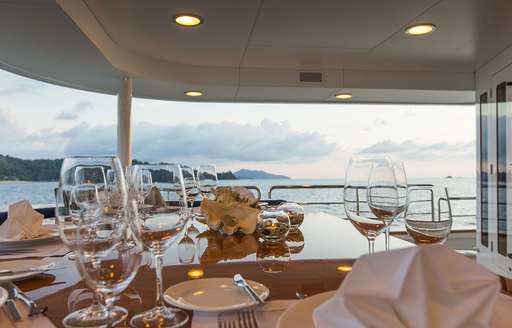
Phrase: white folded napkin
(424, 286)
(22, 222)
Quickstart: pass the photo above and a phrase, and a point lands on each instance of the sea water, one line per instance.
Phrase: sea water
(43, 193)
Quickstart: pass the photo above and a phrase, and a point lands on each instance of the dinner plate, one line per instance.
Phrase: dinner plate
(23, 265)
(53, 234)
(212, 295)
(3, 296)
(301, 313)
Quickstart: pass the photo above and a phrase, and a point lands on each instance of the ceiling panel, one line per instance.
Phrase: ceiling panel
(333, 23)
(146, 28)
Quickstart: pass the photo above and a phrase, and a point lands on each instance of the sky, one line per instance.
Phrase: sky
(302, 141)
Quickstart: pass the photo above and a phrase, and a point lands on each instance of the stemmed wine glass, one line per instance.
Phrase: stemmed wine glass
(110, 274)
(403, 195)
(139, 182)
(428, 219)
(160, 227)
(382, 194)
(355, 197)
(83, 212)
(206, 179)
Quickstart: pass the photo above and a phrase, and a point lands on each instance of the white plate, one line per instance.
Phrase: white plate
(301, 313)
(23, 265)
(3, 296)
(212, 295)
(4, 244)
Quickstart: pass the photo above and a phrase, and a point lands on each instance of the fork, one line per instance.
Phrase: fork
(246, 319)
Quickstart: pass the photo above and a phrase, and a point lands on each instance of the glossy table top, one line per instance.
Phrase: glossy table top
(319, 252)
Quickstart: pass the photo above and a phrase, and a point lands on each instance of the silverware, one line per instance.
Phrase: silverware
(240, 282)
(18, 294)
(247, 319)
(12, 307)
(42, 269)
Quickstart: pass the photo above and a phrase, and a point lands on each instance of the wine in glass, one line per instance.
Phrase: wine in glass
(428, 219)
(355, 198)
(160, 227)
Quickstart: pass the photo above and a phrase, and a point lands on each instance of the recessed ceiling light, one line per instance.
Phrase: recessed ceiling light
(187, 20)
(420, 29)
(343, 95)
(193, 93)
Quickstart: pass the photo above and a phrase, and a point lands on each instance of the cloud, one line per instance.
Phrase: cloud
(13, 84)
(216, 142)
(75, 112)
(413, 151)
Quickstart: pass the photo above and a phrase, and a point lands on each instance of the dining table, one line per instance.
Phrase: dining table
(313, 259)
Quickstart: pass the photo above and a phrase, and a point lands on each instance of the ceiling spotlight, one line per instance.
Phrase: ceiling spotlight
(193, 93)
(187, 20)
(343, 96)
(420, 29)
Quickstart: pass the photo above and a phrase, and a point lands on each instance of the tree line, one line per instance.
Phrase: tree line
(12, 168)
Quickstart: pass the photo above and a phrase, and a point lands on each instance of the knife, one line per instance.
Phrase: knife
(42, 270)
(240, 282)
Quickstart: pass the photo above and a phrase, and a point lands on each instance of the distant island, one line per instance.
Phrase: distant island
(16, 169)
(253, 174)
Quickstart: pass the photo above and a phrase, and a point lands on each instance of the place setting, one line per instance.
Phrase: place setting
(24, 234)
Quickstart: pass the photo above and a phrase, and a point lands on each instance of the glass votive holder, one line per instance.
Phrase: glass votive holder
(273, 224)
(273, 257)
(295, 213)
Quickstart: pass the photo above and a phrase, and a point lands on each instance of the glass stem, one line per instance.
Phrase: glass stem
(109, 303)
(387, 237)
(371, 245)
(159, 261)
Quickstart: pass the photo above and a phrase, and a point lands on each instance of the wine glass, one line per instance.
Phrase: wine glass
(139, 183)
(403, 195)
(382, 193)
(110, 274)
(80, 177)
(355, 198)
(206, 179)
(428, 219)
(160, 227)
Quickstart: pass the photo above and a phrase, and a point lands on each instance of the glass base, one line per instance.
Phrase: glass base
(160, 316)
(95, 316)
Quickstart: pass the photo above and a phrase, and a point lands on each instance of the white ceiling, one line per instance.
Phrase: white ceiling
(253, 50)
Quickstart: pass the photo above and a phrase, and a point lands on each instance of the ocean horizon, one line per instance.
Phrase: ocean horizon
(42, 194)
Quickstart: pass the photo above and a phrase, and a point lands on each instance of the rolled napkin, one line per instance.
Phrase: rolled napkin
(425, 286)
(22, 223)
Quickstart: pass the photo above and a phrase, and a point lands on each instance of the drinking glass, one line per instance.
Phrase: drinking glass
(403, 195)
(81, 177)
(355, 197)
(110, 274)
(428, 219)
(139, 182)
(382, 194)
(206, 179)
(160, 227)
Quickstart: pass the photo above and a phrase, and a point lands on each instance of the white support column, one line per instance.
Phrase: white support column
(124, 121)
